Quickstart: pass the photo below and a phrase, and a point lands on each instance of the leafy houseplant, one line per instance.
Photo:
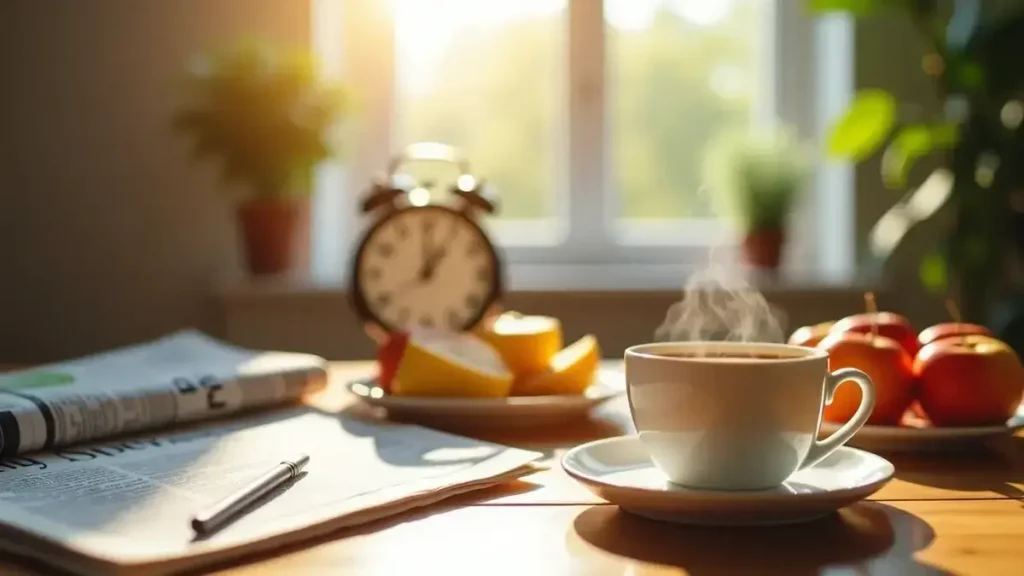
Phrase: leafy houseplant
(268, 118)
(758, 177)
(973, 62)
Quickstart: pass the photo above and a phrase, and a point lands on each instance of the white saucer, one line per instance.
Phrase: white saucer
(927, 439)
(493, 412)
(618, 470)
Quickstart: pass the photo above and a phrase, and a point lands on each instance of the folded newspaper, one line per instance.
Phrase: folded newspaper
(123, 505)
(184, 377)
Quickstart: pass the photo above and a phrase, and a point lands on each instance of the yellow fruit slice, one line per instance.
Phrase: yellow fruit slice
(525, 343)
(571, 371)
(452, 365)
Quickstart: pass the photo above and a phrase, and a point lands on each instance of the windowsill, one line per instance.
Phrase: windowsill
(315, 316)
(557, 278)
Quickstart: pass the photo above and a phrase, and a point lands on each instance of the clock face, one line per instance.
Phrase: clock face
(426, 266)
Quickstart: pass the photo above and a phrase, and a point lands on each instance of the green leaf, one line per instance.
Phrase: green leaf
(855, 7)
(945, 135)
(264, 111)
(870, 7)
(970, 75)
(910, 144)
(866, 124)
(934, 274)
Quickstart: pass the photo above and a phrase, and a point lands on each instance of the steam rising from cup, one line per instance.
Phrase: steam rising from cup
(719, 304)
(755, 178)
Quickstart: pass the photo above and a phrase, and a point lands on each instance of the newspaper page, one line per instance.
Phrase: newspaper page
(184, 377)
(129, 503)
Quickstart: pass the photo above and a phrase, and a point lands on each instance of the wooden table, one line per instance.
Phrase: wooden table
(962, 515)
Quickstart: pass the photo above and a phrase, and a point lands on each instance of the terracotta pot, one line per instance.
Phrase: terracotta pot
(763, 248)
(273, 232)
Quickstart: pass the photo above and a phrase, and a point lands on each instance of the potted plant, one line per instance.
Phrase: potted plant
(977, 135)
(757, 177)
(265, 114)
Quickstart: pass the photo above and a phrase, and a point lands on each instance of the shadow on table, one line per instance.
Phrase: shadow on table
(543, 439)
(280, 553)
(549, 439)
(873, 535)
(997, 467)
(441, 449)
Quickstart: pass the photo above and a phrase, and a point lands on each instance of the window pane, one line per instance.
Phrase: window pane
(680, 71)
(485, 77)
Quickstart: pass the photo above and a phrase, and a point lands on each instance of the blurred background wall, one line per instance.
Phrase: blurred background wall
(108, 232)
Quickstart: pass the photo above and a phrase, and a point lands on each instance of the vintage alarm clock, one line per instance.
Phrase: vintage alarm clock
(421, 264)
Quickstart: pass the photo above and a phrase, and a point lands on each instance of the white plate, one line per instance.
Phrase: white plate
(618, 470)
(493, 412)
(928, 439)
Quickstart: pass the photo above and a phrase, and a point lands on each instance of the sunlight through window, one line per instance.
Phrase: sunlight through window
(485, 76)
(680, 72)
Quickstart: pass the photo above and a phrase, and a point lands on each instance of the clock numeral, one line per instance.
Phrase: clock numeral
(473, 301)
(402, 230)
(427, 321)
(484, 274)
(474, 248)
(386, 250)
(428, 224)
(383, 300)
(454, 319)
(403, 315)
(454, 226)
(373, 274)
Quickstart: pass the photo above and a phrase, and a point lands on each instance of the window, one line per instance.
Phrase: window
(677, 73)
(486, 77)
(591, 118)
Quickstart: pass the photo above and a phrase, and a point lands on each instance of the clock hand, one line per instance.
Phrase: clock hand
(453, 230)
(431, 265)
(426, 269)
(437, 255)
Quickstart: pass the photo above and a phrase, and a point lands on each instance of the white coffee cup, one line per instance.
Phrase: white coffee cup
(736, 416)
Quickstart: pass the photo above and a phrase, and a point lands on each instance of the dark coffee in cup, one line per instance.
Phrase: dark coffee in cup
(716, 355)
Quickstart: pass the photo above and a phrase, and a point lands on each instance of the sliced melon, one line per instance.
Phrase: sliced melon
(525, 343)
(436, 363)
(571, 371)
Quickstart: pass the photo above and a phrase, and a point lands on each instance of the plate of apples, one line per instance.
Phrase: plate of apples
(949, 386)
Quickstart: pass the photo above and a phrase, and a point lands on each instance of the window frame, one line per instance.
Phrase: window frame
(808, 82)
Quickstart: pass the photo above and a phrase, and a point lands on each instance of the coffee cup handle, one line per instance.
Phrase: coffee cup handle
(820, 449)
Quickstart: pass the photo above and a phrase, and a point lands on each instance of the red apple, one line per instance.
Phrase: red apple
(810, 335)
(974, 380)
(949, 330)
(389, 354)
(884, 361)
(886, 324)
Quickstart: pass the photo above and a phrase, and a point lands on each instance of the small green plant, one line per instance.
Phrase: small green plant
(977, 135)
(264, 112)
(757, 176)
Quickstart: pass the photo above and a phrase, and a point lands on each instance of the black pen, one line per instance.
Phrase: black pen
(215, 517)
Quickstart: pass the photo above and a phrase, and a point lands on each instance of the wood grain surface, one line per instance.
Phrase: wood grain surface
(940, 515)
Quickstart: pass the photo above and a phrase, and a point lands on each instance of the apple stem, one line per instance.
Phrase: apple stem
(954, 312)
(872, 308)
